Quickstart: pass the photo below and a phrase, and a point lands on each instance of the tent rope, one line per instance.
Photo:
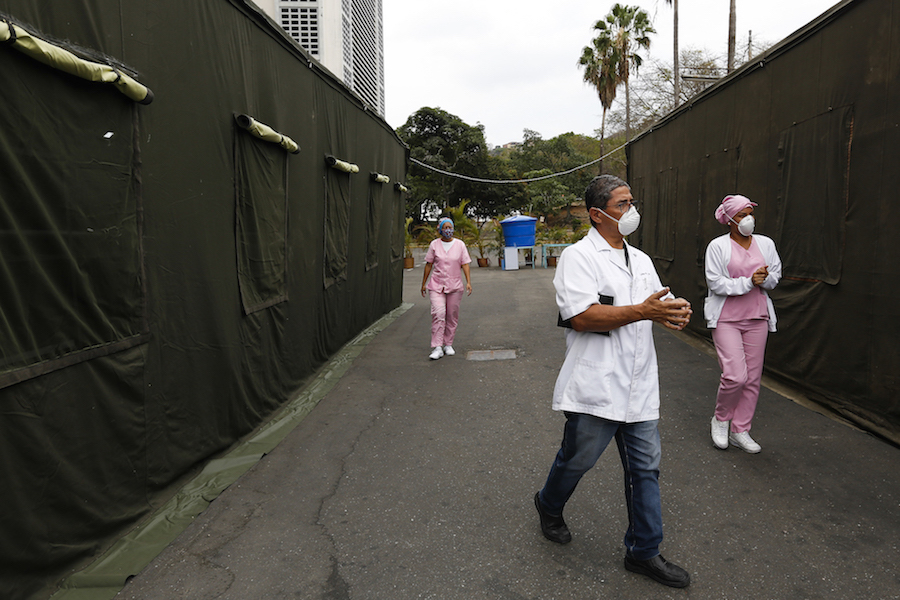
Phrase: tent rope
(502, 181)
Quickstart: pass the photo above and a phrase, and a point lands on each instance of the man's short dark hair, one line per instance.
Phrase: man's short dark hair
(600, 189)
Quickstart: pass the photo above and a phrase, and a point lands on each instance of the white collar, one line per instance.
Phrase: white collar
(601, 244)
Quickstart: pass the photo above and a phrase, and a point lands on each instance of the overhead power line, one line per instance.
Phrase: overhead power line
(504, 181)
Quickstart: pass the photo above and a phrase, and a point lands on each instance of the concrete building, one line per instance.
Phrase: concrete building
(344, 35)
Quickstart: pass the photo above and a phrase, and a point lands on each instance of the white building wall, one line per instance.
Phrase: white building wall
(331, 44)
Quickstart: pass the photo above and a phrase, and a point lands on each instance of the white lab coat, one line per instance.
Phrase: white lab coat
(721, 285)
(613, 376)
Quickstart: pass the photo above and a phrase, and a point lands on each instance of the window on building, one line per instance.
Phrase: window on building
(347, 38)
(300, 18)
(366, 68)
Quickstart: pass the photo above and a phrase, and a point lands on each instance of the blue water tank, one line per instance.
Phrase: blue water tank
(518, 231)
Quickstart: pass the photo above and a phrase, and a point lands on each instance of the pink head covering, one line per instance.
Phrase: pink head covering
(731, 206)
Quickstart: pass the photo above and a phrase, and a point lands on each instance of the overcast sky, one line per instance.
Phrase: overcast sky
(512, 64)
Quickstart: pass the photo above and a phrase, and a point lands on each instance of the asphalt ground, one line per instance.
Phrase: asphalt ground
(415, 478)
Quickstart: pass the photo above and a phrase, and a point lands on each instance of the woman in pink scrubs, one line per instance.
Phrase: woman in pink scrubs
(443, 261)
(740, 268)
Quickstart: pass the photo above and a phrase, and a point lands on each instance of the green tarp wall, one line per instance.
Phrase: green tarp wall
(811, 131)
(167, 280)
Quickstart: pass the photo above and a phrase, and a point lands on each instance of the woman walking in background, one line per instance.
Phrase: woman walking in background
(445, 257)
(740, 268)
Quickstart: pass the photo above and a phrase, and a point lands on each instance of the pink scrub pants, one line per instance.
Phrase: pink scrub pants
(741, 348)
(444, 317)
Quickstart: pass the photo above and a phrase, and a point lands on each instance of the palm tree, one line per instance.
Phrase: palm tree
(732, 23)
(676, 74)
(627, 29)
(600, 64)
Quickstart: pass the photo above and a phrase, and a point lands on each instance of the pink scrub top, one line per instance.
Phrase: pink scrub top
(751, 305)
(446, 265)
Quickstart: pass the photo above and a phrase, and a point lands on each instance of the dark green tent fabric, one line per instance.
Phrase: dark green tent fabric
(261, 221)
(337, 226)
(70, 236)
(162, 270)
(814, 160)
(811, 131)
(373, 222)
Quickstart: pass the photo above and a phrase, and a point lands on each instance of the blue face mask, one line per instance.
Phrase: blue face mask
(447, 233)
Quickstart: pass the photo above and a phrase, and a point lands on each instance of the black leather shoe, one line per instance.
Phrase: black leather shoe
(553, 527)
(659, 569)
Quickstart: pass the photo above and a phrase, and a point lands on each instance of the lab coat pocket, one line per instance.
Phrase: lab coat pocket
(589, 383)
(642, 287)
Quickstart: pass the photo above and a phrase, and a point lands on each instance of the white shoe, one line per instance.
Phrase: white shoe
(436, 353)
(743, 441)
(719, 431)
(449, 351)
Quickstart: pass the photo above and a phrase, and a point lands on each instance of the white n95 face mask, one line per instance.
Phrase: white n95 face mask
(746, 226)
(629, 221)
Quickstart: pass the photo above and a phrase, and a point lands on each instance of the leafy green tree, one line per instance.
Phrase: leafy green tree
(556, 155)
(428, 133)
(616, 163)
(495, 199)
(442, 140)
(547, 195)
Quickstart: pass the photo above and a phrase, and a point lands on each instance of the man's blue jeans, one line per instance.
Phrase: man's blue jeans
(584, 440)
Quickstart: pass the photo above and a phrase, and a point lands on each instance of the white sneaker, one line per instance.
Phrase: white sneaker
(719, 431)
(743, 441)
(436, 353)
(449, 351)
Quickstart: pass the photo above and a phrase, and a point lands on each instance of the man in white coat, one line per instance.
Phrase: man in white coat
(609, 295)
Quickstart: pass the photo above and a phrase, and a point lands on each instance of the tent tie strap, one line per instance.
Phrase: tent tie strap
(12, 33)
(57, 57)
(266, 133)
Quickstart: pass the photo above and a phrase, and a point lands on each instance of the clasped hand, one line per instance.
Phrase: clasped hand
(759, 276)
(673, 313)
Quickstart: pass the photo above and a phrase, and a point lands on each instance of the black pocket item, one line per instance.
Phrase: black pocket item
(607, 300)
